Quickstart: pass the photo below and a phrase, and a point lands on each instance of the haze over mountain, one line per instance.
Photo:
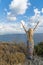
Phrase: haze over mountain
(38, 37)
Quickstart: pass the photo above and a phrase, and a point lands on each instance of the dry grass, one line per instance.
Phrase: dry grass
(11, 54)
(14, 54)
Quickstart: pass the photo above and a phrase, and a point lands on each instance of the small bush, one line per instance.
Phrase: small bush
(39, 49)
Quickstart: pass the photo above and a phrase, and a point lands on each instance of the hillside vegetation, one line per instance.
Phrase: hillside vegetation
(14, 54)
(39, 49)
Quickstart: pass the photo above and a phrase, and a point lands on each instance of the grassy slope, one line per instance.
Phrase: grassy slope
(11, 54)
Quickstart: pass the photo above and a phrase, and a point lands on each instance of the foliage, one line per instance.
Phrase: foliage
(39, 49)
(11, 54)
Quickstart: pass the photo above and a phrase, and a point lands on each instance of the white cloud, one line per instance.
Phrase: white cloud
(36, 11)
(23, 22)
(32, 24)
(8, 13)
(10, 28)
(37, 17)
(11, 17)
(42, 10)
(19, 6)
(16, 27)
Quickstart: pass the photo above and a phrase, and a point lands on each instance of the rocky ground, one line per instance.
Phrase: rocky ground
(12, 54)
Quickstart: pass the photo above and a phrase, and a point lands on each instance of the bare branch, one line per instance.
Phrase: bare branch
(23, 27)
(36, 26)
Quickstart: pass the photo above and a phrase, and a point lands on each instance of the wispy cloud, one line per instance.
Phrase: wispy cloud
(36, 11)
(14, 12)
(10, 28)
(11, 17)
(42, 10)
(37, 17)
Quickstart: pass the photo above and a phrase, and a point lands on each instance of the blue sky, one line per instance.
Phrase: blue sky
(13, 12)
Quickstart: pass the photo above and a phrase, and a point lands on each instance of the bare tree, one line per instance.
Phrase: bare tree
(30, 40)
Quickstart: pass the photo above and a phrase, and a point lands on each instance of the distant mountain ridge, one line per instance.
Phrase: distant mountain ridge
(38, 37)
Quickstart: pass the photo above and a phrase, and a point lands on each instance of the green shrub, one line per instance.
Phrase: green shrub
(39, 49)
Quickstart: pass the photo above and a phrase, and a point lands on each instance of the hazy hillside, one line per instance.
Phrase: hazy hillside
(16, 54)
(21, 38)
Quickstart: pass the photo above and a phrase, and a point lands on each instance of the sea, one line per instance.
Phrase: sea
(38, 37)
